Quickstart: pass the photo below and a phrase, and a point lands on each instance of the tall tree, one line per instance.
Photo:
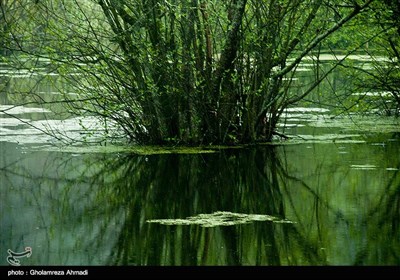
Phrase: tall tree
(199, 72)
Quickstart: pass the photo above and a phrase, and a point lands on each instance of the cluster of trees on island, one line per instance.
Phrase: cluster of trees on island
(198, 71)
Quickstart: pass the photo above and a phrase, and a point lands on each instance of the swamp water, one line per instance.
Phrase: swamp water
(328, 196)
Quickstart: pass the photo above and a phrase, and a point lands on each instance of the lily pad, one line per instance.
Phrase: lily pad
(220, 218)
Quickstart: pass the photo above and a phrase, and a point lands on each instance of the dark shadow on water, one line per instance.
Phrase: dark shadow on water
(178, 186)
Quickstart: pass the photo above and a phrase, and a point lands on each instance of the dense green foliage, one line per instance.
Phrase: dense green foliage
(190, 72)
(384, 77)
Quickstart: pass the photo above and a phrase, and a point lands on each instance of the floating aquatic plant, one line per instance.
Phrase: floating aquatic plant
(220, 218)
(363, 166)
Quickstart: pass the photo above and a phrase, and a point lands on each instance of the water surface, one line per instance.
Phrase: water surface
(341, 201)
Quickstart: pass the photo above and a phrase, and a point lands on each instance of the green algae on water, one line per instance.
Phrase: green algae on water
(220, 218)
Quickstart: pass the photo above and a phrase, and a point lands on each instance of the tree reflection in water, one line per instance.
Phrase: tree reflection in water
(94, 208)
(178, 186)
